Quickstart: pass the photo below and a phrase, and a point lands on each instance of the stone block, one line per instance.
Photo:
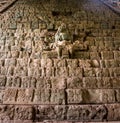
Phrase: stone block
(113, 112)
(42, 96)
(90, 82)
(94, 55)
(116, 54)
(50, 112)
(117, 91)
(34, 63)
(34, 71)
(60, 63)
(23, 113)
(6, 113)
(57, 96)
(11, 62)
(49, 71)
(106, 83)
(20, 71)
(107, 96)
(3, 55)
(104, 72)
(58, 83)
(43, 83)
(82, 55)
(89, 72)
(74, 82)
(16, 82)
(9, 70)
(75, 72)
(74, 96)
(13, 81)
(2, 62)
(25, 82)
(25, 96)
(92, 96)
(34, 25)
(109, 45)
(115, 82)
(107, 55)
(15, 54)
(72, 63)
(2, 81)
(84, 63)
(10, 95)
(13, 25)
(9, 82)
(1, 95)
(46, 63)
(110, 63)
(93, 113)
(61, 71)
(49, 54)
(114, 72)
(21, 63)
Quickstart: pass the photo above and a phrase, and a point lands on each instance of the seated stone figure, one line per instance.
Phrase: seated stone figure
(63, 41)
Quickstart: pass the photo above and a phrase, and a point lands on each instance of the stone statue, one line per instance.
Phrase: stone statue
(63, 41)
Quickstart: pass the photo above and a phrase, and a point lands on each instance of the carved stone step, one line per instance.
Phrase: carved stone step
(69, 113)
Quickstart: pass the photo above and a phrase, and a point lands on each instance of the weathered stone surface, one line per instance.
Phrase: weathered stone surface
(25, 96)
(113, 112)
(1, 95)
(74, 96)
(23, 113)
(10, 95)
(75, 72)
(44, 88)
(85, 63)
(107, 55)
(43, 83)
(87, 113)
(58, 83)
(73, 63)
(50, 113)
(57, 96)
(2, 81)
(74, 82)
(61, 71)
(6, 112)
(42, 96)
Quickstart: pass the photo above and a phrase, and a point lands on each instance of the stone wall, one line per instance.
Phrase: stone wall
(36, 86)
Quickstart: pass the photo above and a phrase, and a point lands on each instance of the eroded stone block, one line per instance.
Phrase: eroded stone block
(61, 71)
(42, 96)
(75, 72)
(87, 113)
(107, 55)
(74, 82)
(23, 113)
(74, 96)
(50, 112)
(57, 96)
(43, 83)
(10, 95)
(25, 96)
(6, 112)
(2, 81)
(58, 83)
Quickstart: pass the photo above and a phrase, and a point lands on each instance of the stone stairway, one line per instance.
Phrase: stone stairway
(85, 88)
